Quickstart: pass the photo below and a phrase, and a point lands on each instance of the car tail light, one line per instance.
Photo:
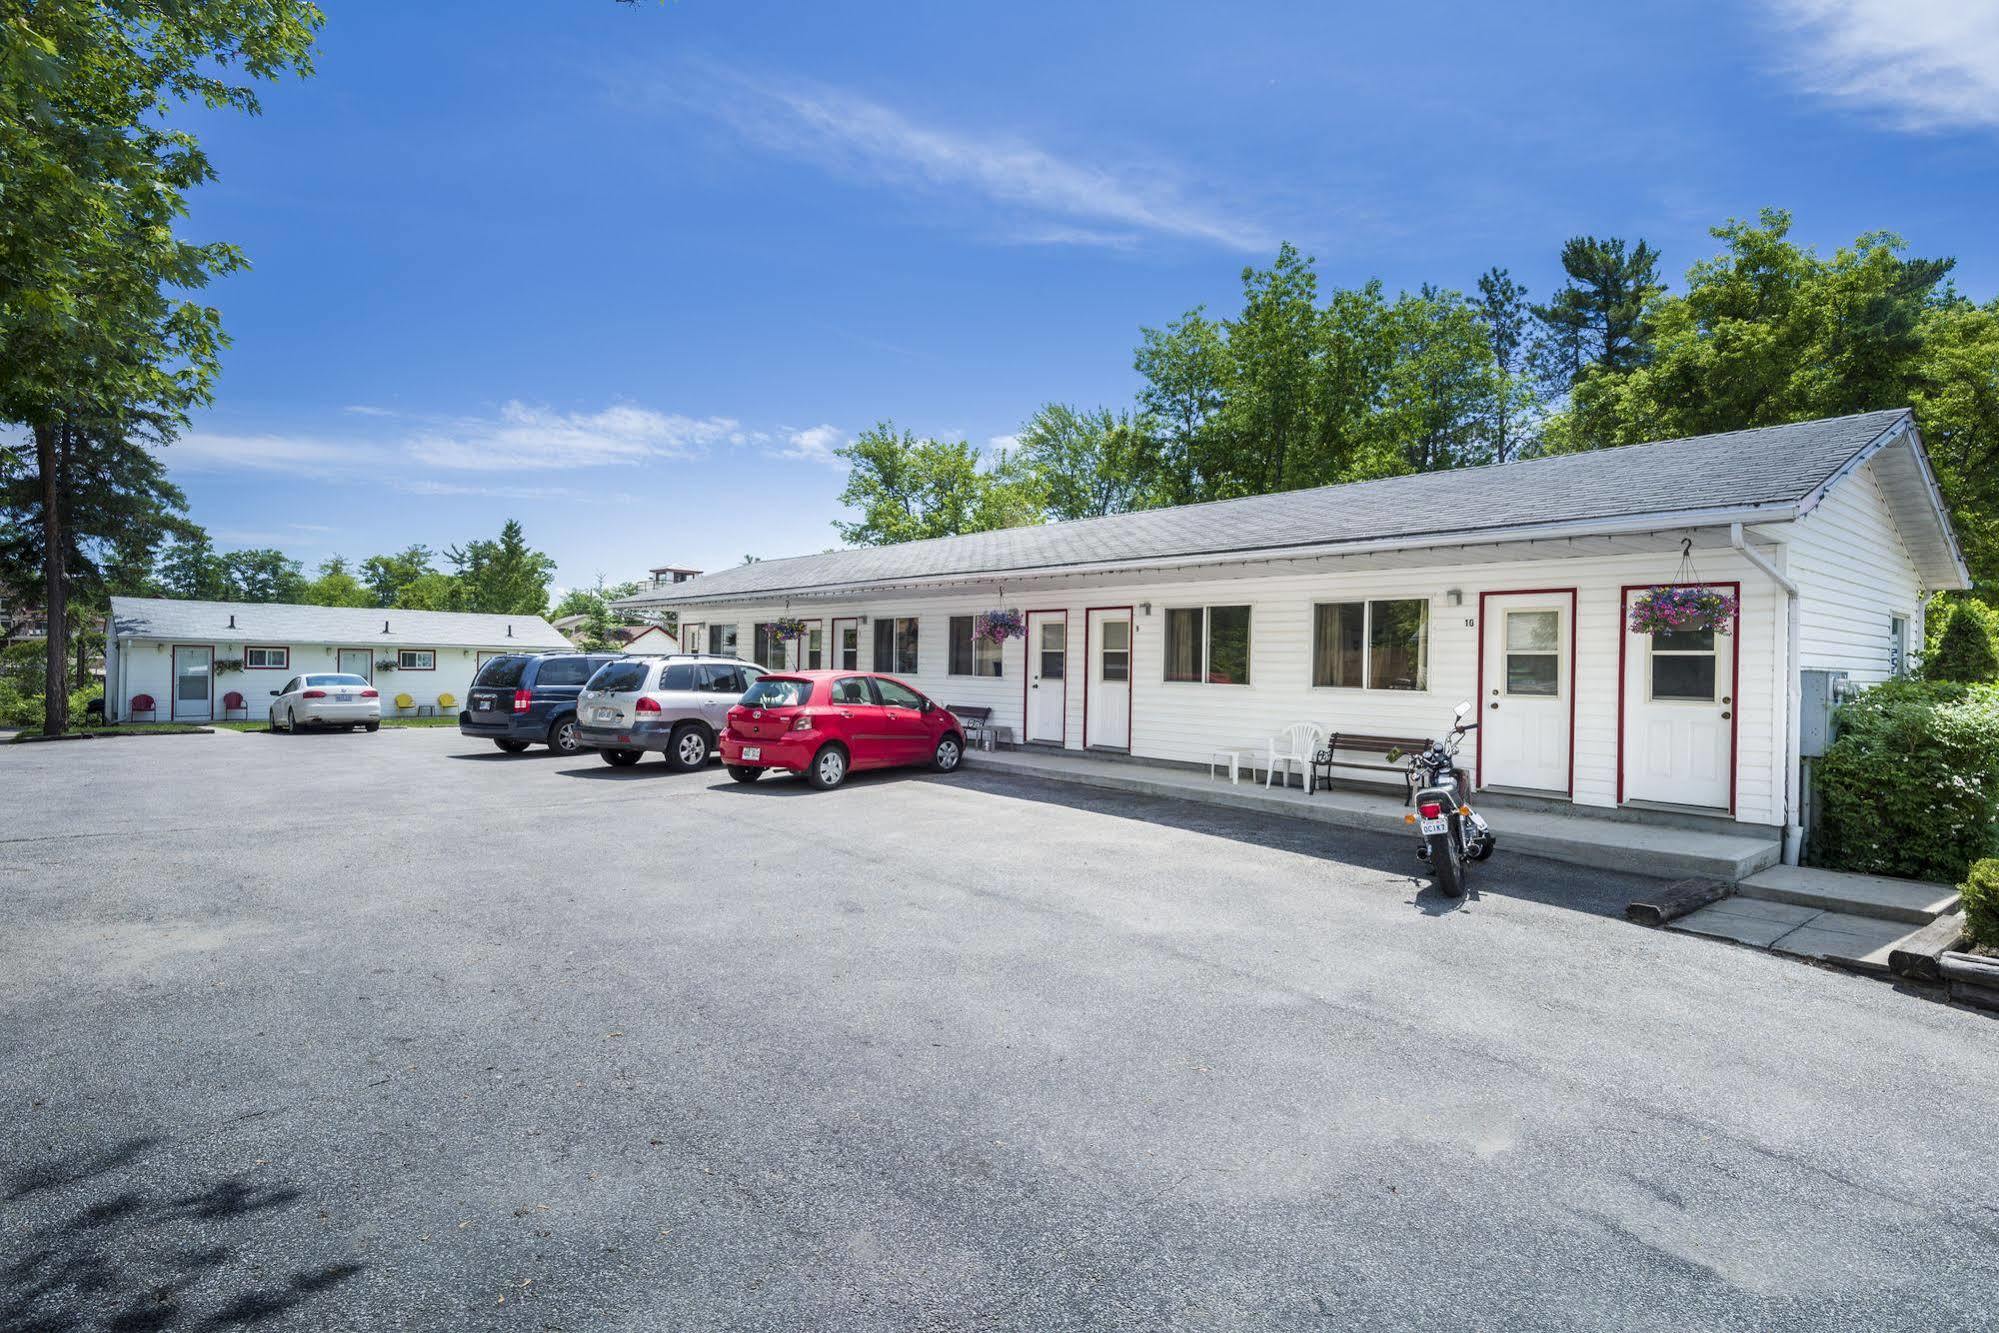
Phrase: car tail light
(522, 698)
(1431, 810)
(313, 694)
(803, 722)
(645, 705)
(370, 694)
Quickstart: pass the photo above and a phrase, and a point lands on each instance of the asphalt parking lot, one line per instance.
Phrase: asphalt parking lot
(395, 1031)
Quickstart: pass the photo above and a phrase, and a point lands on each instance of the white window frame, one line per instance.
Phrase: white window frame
(1207, 610)
(1901, 628)
(985, 652)
(403, 656)
(285, 653)
(1367, 684)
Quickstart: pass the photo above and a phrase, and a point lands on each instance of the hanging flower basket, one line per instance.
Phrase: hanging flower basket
(1677, 610)
(999, 626)
(787, 629)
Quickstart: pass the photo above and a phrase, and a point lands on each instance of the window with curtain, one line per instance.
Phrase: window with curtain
(1208, 644)
(1382, 645)
(972, 654)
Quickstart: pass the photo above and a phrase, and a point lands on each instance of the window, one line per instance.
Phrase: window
(342, 681)
(1208, 643)
(502, 673)
(563, 671)
(1898, 645)
(895, 695)
(715, 678)
(289, 686)
(722, 640)
(692, 636)
(416, 659)
(815, 648)
(266, 659)
(853, 690)
(1533, 653)
(1372, 645)
(765, 646)
(1116, 656)
(777, 692)
(972, 654)
(677, 676)
(1683, 665)
(848, 647)
(620, 677)
(895, 645)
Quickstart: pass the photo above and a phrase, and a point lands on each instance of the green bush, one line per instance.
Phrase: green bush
(1911, 787)
(1981, 901)
(1963, 652)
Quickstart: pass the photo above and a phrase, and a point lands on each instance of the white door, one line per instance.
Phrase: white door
(1679, 706)
(1047, 672)
(1109, 682)
(194, 678)
(1524, 724)
(357, 662)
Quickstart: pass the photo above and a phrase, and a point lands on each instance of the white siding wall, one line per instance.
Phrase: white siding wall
(148, 669)
(1853, 573)
(1186, 722)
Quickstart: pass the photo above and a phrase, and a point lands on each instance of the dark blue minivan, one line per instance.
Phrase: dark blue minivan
(523, 699)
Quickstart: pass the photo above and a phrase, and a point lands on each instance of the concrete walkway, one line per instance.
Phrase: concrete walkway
(1608, 844)
(1852, 920)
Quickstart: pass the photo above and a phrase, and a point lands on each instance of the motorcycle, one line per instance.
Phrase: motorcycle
(1454, 835)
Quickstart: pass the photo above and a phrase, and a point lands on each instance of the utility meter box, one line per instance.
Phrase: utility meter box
(1822, 691)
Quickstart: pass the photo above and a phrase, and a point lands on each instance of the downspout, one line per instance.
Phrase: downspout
(1794, 832)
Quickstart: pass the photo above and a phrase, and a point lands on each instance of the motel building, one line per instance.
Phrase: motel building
(168, 660)
(1375, 607)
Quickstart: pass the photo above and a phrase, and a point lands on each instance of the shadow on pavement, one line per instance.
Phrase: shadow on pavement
(131, 1259)
(1531, 878)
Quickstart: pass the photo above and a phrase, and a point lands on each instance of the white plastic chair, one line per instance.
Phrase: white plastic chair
(1296, 744)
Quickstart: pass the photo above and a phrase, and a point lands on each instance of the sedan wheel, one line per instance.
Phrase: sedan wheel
(949, 752)
(829, 768)
(291, 722)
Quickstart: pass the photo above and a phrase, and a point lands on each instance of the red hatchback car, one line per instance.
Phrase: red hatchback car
(825, 724)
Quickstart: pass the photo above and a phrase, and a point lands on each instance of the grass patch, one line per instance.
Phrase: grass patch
(123, 729)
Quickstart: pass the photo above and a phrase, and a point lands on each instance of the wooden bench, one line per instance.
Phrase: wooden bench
(979, 728)
(1361, 743)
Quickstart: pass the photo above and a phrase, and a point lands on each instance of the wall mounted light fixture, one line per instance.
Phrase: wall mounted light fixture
(1145, 608)
(1455, 597)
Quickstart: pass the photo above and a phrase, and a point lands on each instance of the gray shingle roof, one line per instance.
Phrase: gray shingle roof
(1774, 466)
(356, 627)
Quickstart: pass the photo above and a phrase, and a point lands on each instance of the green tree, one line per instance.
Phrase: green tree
(503, 577)
(594, 605)
(92, 328)
(907, 489)
(1503, 308)
(190, 568)
(432, 591)
(1596, 321)
(1183, 365)
(336, 586)
(1271, 442)
(263, 575)
(1091, 463)
(388, 575)
(1964, 652)
(1441, 384)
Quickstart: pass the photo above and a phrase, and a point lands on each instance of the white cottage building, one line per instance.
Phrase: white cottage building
(1375, 607)
(203, 661)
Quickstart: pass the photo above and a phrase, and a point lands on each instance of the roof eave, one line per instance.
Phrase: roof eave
(1773, 512)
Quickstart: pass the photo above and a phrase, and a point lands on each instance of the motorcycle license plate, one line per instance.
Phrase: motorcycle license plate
(1434, 826)
(752, 752)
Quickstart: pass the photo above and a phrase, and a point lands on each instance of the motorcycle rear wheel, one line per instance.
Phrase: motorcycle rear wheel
(1446, 866)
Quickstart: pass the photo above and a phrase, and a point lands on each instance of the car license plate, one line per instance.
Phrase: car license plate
(1434, 826)
(604, 714)
(752, 752)
(345, 698)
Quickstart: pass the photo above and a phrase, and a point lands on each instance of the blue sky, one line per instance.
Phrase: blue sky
(629, 274)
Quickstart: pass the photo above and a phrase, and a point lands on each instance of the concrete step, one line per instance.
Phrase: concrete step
(1862, 943)
(1906, 900)
(1639, 849)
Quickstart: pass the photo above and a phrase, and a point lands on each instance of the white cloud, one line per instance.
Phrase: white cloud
(422, 487)
(1077, 203)
(814, 444)
(1002, 444)
(301, 456)
(364, 410)
(1926, 64)
(525, 437)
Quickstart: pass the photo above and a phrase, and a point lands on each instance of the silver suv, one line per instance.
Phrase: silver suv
(675, 704)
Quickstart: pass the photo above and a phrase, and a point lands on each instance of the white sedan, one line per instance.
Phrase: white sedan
(326, 700)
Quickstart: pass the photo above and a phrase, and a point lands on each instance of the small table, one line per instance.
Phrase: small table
(1234, 759)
